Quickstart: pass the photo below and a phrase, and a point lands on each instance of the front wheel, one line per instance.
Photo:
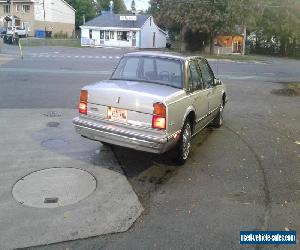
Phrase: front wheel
(184, 144)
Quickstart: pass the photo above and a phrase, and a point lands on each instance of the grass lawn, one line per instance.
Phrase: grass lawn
(291, 89)
(29, 42)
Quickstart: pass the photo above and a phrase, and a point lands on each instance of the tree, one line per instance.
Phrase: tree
(84, 9)
(205, 16)
(280, 23)
(119, 6)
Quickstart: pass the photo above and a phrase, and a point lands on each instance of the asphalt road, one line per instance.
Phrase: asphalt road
(243, 176)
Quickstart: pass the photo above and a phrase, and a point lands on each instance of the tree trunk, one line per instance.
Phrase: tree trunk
(283, 46)
(182, 38)
(212, 43)
(294, 47)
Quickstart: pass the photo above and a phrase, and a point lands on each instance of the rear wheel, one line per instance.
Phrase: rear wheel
(218, 121)
(184, 144)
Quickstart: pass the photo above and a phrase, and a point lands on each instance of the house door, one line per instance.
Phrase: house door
(153, 39)
(133, 38)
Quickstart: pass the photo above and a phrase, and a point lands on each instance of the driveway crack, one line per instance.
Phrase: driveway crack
(267, 199)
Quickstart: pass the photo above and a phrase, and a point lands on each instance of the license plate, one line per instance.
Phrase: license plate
(116, 114)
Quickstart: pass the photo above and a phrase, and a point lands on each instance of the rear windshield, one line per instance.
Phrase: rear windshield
(150, 69)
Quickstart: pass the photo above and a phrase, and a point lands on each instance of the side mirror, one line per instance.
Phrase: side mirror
(218, 82)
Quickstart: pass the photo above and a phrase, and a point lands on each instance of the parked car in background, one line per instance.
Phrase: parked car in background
(153, 102)
(18, 30)
(3, 31)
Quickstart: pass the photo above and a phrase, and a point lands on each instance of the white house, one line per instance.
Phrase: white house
(56, 16)
(115, 30)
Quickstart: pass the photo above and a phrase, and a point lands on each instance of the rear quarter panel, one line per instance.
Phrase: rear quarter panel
(178, 108)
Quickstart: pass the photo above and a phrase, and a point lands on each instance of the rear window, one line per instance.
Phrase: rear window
(158, 70)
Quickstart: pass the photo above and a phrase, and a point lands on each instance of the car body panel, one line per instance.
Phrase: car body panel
(136, 98)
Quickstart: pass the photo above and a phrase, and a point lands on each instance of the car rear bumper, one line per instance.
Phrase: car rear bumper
(125, 137)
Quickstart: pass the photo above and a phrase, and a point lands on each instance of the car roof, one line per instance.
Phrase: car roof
(165, 54)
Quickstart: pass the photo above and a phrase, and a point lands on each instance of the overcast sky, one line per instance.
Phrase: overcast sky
(140, 4)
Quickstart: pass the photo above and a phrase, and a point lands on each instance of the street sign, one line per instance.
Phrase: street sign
(128, 18)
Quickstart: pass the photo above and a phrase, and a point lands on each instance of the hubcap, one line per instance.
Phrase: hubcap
(221, 115)
(186, 141)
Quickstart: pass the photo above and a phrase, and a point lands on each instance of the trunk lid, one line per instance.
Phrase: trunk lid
(129, 95)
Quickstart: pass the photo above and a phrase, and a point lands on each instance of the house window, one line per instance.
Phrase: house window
(101, 34)
(26, 8)
(90, 34)
(6, 9)
(18, 8)
(106, 35)
(112, 35)
(123, 35)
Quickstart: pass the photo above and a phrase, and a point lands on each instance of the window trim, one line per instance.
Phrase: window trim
(18, 7)
(6, 7)
(191, 87)
(202, 61)
(112, 35)
(24, 9)
(181, 62)
(102, 34)
(106, 35)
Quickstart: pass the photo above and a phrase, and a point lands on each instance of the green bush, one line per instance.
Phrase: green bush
(61, 34)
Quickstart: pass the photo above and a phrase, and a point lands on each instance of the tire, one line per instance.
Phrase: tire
(105, 144)
(184, 144)
(218, 120)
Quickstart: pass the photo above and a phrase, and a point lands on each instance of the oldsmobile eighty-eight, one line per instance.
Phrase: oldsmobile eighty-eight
(154, 102)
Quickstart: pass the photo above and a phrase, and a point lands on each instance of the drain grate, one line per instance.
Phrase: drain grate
(52, 114)
(52, 124)
(51, 200)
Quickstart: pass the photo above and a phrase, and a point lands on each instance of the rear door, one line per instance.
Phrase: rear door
(198, 94)
(214, 93)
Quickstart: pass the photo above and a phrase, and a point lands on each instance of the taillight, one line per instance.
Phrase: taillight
(83, 102)
(159, 116)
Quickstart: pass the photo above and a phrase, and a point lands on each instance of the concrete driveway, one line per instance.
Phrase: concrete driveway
(243, 176)
(56, 186)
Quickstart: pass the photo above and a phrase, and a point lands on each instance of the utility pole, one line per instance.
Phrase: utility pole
(11, 11)
(244, 40)
(44, 16)
(13, 24)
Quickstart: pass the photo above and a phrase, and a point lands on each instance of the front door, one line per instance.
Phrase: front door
(214, 92)
(133, 38)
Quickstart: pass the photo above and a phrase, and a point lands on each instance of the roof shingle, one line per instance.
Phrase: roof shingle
(113, 20)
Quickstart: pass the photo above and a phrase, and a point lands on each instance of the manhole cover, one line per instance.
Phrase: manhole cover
(52, 114)
(54, 187)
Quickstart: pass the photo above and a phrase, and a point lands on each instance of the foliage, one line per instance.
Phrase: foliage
(275, 23)
(119, 6)
(211, 17)
(61, 34)
(84, 8)
(279, 26)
